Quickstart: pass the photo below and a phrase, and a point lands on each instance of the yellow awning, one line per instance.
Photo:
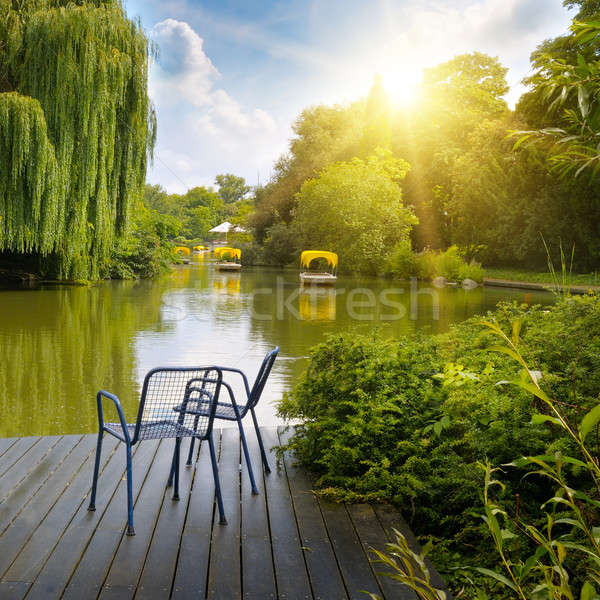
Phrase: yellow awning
(182, 250)
(233, 252)
(309, 255)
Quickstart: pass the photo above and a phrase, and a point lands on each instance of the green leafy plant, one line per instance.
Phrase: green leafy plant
(409, 567)
(568, 530)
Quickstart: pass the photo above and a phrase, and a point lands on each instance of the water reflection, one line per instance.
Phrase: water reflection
(61, 344)
(317, 303)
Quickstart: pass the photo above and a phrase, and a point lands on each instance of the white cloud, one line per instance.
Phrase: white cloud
(183, 70)
(202, 130)
(205, 128)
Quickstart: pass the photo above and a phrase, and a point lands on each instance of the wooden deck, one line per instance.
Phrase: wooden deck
(284, 543)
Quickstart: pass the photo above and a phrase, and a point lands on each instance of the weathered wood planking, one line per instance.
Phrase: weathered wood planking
(284, 543)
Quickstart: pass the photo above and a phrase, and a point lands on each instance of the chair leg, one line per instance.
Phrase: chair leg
(215, 468)
(247, 455)
(191, 452)
(172, 471)
(176, 467)
(260, 443)
(92, 505)
(130, 529)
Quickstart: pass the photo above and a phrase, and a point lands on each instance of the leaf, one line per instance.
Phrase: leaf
(509, 351)
(582, 100)
(538, 419)
(534, 389)
(501, 578)
(590, 420)
(588, 592)
(562, 553)
(516, 330)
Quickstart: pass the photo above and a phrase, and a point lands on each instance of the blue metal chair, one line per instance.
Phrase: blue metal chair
(234, 411)
(163, 390)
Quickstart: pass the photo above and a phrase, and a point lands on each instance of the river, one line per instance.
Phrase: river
(60, 344)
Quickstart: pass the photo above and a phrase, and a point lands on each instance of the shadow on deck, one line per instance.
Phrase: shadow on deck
(283, 543)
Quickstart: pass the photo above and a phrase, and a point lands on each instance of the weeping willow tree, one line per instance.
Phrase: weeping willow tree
(76, 130)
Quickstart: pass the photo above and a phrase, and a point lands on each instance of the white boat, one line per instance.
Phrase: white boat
(228, 266)
(318, 277)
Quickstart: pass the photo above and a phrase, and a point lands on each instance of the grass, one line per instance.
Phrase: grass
(540, 276)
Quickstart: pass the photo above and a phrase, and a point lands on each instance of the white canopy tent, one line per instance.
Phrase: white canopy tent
(226, 227)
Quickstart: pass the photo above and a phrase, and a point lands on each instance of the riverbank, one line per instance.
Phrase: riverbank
(529, 285)
(543, 277)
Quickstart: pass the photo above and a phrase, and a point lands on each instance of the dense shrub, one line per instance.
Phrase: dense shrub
(451, 264)
(379, 424)
(146, 250)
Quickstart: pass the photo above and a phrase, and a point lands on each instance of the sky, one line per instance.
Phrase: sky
(231, 76)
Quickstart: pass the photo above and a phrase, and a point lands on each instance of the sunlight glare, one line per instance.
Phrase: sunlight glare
(401, 84)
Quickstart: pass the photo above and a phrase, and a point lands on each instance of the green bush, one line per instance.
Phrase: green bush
(449, 264)
(379, 424)
(401, 262)
(146, 250)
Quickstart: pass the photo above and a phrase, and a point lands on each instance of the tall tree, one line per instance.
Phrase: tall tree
(355, 208)
(231, 188)
(323, 135)
(76, 126)
(376, 131)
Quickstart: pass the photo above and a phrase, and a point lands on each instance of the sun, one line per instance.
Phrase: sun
(401, 84)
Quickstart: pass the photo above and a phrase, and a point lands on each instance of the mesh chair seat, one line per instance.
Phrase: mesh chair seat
(154, 429)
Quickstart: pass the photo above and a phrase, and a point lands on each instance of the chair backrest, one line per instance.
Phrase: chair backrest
(178, 402)
(261, 378)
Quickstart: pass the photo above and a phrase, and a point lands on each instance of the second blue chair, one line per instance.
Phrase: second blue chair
(236, 411)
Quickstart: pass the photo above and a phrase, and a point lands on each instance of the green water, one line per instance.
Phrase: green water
(61, 344)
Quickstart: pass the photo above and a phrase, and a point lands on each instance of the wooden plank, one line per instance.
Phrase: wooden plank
(372, 535)
(290, 568)
(38, 518)
(72, 523)
(351, 558)
(22, 494)
(224, 575)
(129, 560)
(15, 452)
(91, 571)
(258, 577)
(191, 575)
(21, 468)
(5, 445)
(326, 580)
(159, 569)
(27, 522)
(390, 519)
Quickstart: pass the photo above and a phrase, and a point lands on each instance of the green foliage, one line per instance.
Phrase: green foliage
(569, 86)
(355, 209)
(231, 188)
(409, 567)
(566, 550)
(281, 245)
(449, 264)
(31, 173)
(472, 82)
(77, 73)
(401, 262)
(378, 424)
(146, 249)
(323, 135)
(198, 210)
(376, 131)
